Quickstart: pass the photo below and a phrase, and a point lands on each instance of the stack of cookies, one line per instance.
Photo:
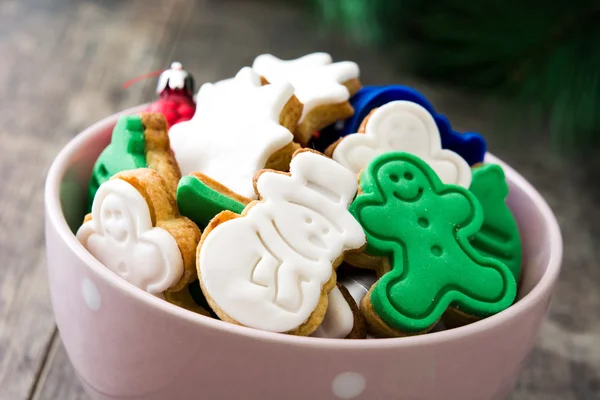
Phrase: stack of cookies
(289, 174)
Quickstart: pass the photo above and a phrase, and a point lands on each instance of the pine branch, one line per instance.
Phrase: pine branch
(536, 52)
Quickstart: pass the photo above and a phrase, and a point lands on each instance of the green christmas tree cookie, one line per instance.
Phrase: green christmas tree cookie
(200, 198)
(423, 228)
(127, 150)
(138, 141)
(499, 235)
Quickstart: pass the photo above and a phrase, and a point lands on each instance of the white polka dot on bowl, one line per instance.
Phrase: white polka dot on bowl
(348, 385)
(91, 295)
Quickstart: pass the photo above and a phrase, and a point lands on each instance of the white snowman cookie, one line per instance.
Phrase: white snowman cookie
(272, 267)
(136, 231)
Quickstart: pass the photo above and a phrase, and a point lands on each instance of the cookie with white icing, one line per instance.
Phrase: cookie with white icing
(273, 266)
(401, 126)
(238, 129)
(343, 319)
(136, 231)
(322, 86)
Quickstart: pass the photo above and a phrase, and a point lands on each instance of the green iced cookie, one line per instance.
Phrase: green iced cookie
(201, 203)
(499, 235)
(423, 227)
(125, 151)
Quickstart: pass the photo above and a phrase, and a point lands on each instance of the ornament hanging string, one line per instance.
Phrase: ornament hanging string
(152, 74)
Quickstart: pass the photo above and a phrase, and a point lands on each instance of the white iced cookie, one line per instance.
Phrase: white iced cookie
(121, 233)
(339, 318)
(317, 82)
(235, 130)
(402, 126)
(272, 267)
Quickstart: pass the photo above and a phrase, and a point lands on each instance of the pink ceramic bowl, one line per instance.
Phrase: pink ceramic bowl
(126, 344)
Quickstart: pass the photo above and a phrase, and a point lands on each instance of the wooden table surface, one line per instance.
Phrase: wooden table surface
(62, 66)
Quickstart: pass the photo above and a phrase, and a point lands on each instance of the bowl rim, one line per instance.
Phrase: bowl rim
(55, 216)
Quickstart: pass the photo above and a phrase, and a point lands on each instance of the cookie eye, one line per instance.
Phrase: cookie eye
(308, 220)
(325, 231)
(118, 214)
(408, 176)
(394, 178)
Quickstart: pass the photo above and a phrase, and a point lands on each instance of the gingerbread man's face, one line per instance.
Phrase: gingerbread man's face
(404, 181)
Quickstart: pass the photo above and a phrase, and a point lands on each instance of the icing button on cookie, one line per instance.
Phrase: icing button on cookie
(469, 145)
(422, 227)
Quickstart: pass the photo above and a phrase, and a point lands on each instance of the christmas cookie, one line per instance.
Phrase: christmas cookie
(273, 266)
(200, 198)
(323, 87)
(184, 299)
(138, 141)
(238, 129)
(422, 228)
(136, 231)
(499, 235)
(343, 319)
(401, 126)
(469, 145)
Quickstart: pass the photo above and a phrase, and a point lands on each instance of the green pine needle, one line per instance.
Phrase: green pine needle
(540, 53)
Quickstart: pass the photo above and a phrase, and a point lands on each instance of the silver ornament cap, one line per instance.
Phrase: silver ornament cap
(176, 78)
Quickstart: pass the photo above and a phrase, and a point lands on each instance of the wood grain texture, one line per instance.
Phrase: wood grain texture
(67, 61)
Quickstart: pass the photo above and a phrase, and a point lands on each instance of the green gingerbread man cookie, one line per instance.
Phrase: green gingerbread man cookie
(422, 227)
(499, 235)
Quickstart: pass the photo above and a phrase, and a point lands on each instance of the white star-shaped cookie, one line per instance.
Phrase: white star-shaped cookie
(234, 131)
(316, 79)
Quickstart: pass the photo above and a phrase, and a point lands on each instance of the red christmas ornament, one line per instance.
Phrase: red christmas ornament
(175, 91)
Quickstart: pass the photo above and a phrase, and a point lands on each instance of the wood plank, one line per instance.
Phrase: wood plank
(57, 379)
(80, 59)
